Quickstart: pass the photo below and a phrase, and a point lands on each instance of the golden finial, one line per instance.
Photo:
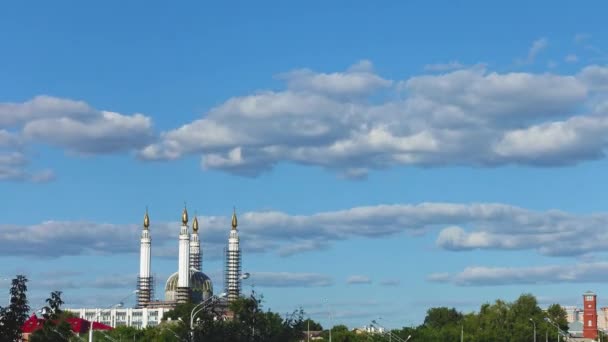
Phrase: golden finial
(146, 219)
(234, 220)
(185, 215)
(195, 223)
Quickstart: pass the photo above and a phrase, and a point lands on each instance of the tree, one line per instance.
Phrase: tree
(558, 315)
(438, 318)
(55, 327)
(13, 317)
(53, 308)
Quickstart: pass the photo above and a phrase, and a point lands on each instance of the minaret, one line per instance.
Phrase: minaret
(195, 247)
(233, 263)
(144, 281)
(183, 272)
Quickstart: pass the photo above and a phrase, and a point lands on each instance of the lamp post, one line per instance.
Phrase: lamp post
(200, 307)
(559, 331)
(330, 321)
(119, 304)
(390, 334)
(534, 323)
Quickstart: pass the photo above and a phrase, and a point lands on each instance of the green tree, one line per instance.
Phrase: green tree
(437, 318)
(558, 315)
(13, 317)
(53, 308)
(55, 327)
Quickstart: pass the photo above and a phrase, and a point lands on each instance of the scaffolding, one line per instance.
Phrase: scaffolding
(182, 295)
(195, 260)
(145, 288)
(232, 273)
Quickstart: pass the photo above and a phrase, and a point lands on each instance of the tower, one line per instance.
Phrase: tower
(144, 281)
(183, 267)
(195, 247)
(590, 315)
(232, 280)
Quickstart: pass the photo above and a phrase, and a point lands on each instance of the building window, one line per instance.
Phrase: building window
(589, 323)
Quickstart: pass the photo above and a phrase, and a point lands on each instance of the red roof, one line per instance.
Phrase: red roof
(78, 325)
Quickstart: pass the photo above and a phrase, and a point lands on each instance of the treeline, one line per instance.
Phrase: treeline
(497, 322)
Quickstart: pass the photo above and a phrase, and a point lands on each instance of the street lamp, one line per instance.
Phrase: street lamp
(330, 321)
(559, 331)
(118, 305)
(390, 333)
(534, 323)
(200, 307)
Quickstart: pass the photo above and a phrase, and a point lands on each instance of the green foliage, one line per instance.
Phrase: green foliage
(55, 327)
(53, 308)
(497, 322)
(309, 324)
(13, 316)
(437, 318)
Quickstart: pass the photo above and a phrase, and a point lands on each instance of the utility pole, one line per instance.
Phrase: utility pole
(461, 332)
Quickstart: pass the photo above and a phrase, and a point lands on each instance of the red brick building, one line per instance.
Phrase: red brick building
(590, 315)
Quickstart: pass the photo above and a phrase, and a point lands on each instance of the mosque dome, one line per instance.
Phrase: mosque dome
(201, 287)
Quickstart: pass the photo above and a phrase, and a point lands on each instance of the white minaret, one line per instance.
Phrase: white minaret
(233, 263)
(195, 247)
(183, 277)
(144, 283)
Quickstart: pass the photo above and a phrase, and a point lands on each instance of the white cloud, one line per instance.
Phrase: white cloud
(464, 117)
(108, 132)
(359, 80)
(595, 77)
(537, 46)
(71, 125)
(358, 280)
(460, 227)
(289, 279)
(549, 274)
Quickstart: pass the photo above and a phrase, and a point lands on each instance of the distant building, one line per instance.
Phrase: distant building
(138, 318)
(573, 313)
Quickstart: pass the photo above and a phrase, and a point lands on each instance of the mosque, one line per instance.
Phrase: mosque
(188, 284)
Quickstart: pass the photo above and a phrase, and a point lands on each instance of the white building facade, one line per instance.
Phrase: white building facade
(138, 318)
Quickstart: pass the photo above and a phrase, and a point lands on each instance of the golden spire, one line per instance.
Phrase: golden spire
(234, 220)
(185, 216)
(146, 219)
(195, 223)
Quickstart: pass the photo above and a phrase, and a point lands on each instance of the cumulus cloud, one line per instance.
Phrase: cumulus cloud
(71, 125)
(549, 274)
(355, 121)
(460, 227)
(359, 80)
(358, 280)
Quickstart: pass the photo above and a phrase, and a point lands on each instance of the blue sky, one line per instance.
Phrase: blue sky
(383, 158)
